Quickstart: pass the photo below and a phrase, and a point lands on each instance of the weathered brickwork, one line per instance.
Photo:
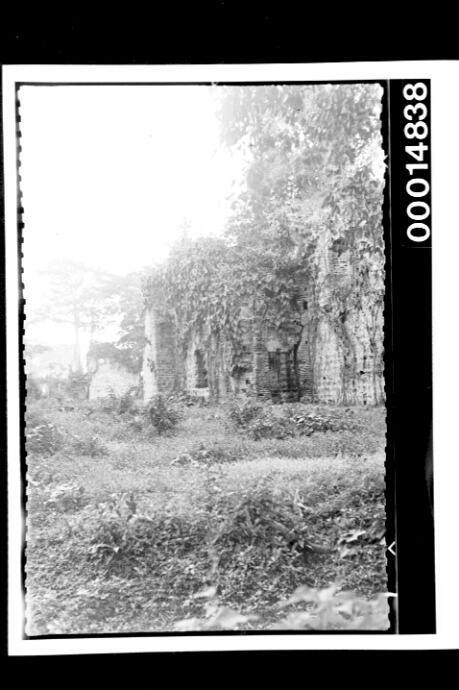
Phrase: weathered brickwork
(316, 357)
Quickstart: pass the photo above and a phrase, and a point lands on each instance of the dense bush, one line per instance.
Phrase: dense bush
(321, 419)
(164, 414)
(128, 402)
(254, 539)
(284, 421)
(253, 530)
(252, 546)
(243, 410)
(42, 436)
(270, 425)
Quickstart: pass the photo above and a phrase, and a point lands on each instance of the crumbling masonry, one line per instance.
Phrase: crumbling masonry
(316, 358)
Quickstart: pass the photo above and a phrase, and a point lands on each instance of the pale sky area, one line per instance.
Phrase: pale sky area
(109, 173)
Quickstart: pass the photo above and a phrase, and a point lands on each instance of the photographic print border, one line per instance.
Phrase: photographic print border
(399, 518)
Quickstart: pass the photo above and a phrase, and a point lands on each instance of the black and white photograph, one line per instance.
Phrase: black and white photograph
(205, 419)
(222, 430)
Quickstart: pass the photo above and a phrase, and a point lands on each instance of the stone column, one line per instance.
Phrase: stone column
(150, 384)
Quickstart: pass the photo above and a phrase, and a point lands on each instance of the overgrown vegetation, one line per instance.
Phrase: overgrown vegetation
(43, 438)
(322, 609)
(285, 421)
(164, 414)
(129, 539)
(185, 515)
(314, 182)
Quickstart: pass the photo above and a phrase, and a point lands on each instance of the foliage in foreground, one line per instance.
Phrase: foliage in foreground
(321, 609)
(45, 438)
(254, 519)
(164, 414)
(267, 421)
(254, 545)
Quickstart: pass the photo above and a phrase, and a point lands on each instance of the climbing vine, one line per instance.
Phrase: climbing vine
(208, 286)
(314, 182)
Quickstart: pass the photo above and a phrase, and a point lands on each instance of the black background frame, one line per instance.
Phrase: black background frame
(408, 363)
(408, 373)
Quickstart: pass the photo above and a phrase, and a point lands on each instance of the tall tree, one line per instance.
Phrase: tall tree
(315, 175)
(74, 294)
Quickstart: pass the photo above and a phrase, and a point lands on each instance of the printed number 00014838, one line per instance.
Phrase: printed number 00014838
(417, 187)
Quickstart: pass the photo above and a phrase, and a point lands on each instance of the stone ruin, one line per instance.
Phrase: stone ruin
(313, 359)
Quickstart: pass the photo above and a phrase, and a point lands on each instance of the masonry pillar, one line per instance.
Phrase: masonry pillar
(150, 384)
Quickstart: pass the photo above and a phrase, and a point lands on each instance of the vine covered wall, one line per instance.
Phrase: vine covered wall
(313, 353)
(288, 303)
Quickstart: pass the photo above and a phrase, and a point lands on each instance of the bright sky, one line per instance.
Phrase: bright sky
(109, 173)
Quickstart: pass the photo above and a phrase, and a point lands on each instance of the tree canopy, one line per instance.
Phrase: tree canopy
(313, 182)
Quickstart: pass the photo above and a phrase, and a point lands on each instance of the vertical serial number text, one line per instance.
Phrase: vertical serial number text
(416, 131)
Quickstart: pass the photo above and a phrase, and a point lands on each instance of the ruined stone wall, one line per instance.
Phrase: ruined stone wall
(196, 380)
(348, 367)
(348, 351)
(162, 371)
(328, 366)
(321, 356)
(149, 380)
(305, 346)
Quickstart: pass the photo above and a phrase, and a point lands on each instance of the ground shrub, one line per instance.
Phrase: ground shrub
(109, 404)
(213, 452)
(267, 421)
(243, 410)
(115, 538)
(92, 446)
(33, 389)
(252, 519)
(268, 425)
(66, 497)
(251, 539)
(189, 400)
(163, 413)
(307, 423)
(128, 402)
(43, 438)
(262, 541)
(250, 542)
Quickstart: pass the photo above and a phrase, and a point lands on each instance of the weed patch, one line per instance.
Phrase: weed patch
(130, 542)
(163, 414)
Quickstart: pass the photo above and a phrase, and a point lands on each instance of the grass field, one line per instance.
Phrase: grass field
(132, 531)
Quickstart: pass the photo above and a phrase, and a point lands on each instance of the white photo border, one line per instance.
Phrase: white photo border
(445, 105)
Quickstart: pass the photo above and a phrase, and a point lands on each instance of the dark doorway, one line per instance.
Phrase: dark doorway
(283, 370)
(202, 380)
